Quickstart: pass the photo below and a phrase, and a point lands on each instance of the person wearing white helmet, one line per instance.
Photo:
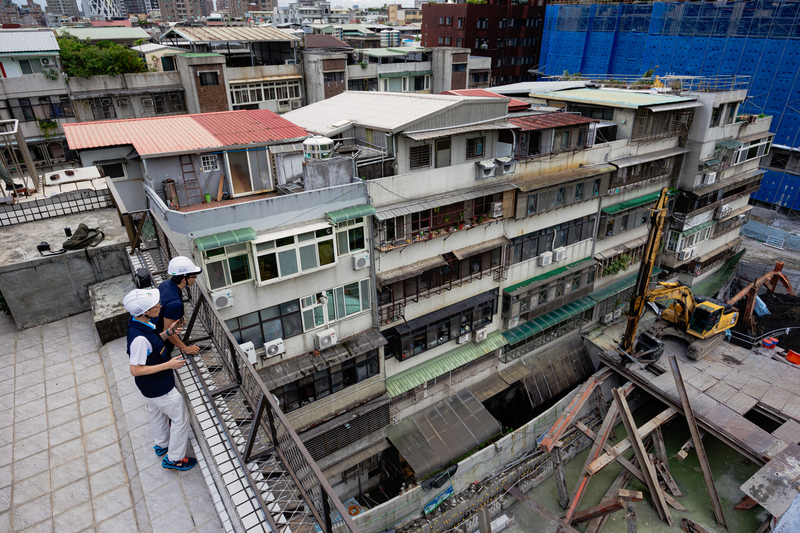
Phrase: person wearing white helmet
(152, 370)
(183, 273)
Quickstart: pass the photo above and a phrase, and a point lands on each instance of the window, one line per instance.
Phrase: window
(208, 78)
(335, 304)
(753, 150)
(277, 322)
(210, 162)
(716, 114)
(362, 84)
(168, 103)
(447, 41)
(441, 40)
(475, 147)
(227, 265)
(420, 156)
(460, 22)
(562, 138)
(102, 108)
(459, 67)
(350, 236)
(40, 108)
(30, 66)
(448, 21)
(534, 244)
(294, 255)
(330, 77)
(483, 23)
(267, 91)
(459, 42)
(579, 192)
(441, 21)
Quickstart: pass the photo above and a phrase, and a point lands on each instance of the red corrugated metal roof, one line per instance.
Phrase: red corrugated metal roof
(183, 133)
(513, 105)
(324, 41)
(104, 23)
(550, 120)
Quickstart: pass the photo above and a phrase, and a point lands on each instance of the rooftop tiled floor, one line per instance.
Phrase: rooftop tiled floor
(75, 448)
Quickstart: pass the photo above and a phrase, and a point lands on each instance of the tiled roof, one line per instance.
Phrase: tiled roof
(324, 41)
(513, 105)
(550, 120)
(231, 33)
(105, 23)
(161, 135)
(27, 41)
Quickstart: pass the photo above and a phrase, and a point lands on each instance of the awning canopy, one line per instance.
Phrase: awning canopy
(407, 271)
(485, 246)
(294, 230)
(357, 211)
(650, 156)
(416, 206)
(635, 202)
(218, 240)
(618, 286)
(675, 107)
(549, 319)
(405, 73)
(712, 284)
(517, 371)
(517, 287)
(697, 228)
(730, 144)
(435, 134)
(565, 176)
(442, 364)
(485, 389)
(448, 429)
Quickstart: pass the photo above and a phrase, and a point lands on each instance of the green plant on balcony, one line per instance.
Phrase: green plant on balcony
(48, 127)
(50, 74)
(621, 263)
(363, 64)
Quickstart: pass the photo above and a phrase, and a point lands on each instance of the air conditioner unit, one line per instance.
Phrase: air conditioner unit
(274, 348)
(710, 178)
(723, 211)
(325, 339)
(47, 61)
(250, 350)
(618, 313)
(484, 169)
(360, 260)
(683, 255)
(147, 102)
(481, 334)
(222, 299)
(545, 259)
(496, 209)
(296, 104)
(741, 217)
(693, 252)
(560, 254)
(122, 102)
(505, 165)
(607, 318)
(463, 339)
(512, 322)
(283, 103)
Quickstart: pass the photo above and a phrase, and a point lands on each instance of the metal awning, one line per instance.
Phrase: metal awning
(445, 312)
(620, 248)
(605, 124)
(485, 389)
(675, 107)
(294, 230)
(356, 458)
(728, 182)
(218, 240)
(405, 74)
(492, 126)
(404, 272)
(416, 206)
(430, 439)
(485, 246)
(650, 156)
(343, 215)
(699, 227)
(549, 319)
(712, 162)
(730, 144)
(513, 373)
(267, 78)
(618, 286)
(564, 176)
(442, 364)
(534, 281)
(635, 202)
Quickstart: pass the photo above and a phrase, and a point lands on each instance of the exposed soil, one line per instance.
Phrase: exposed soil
(784, 313)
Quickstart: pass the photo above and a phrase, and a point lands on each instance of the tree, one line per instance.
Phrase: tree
(82, 59)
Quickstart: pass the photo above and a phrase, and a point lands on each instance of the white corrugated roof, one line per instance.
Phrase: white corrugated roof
(527, 87)
(27, 41)
(107, 33)
(380, 110)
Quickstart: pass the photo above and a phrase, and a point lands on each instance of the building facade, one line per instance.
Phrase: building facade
(63, 7)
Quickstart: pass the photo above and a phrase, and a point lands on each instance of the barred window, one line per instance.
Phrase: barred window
(210, 162)
(475, 147)
(329, 77)
(40, 108)
(420, 156)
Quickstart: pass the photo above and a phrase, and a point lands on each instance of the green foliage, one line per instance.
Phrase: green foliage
(649, 72)
(619, 264)
(50, 74)
(48, 126)
(83, 60)
(476, 1)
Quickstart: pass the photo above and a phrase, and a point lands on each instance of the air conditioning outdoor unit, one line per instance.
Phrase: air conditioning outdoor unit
(618, 313)
(46, 61)
(683, 255)
(693, 252)
(484, 169)
(607, 318)
(481, 334)
(496, 209)
(741, 217)
(283, 103)
(222, 299)
(723, 211)
(250, 350)
(122, 102)
(325, 339)
(505, 165)
(147, 102)
(463, 339)
(545, 259)
(560, 254)
(711, 177)
(360, 260)
(296, 104)
(512, 322)
(274, 348)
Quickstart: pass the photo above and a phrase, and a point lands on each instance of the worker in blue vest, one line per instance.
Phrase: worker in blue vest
(152, 370)
(183, 274)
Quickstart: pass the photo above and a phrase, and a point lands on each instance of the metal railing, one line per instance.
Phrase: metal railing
(675, 83)
(290, 489)
(756, 341)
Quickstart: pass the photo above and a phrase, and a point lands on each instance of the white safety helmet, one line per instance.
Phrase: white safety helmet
(138, 301)
(182, 266)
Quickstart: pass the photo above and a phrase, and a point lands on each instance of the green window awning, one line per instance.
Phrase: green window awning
(549, 319)
(635, 202)
(730, 144)
(712, 285)
(218, 240)
(350, 213)
(618, 286)
(547, 275)
(699, 227)
(447, 362)
(405, 74)
(712, 162)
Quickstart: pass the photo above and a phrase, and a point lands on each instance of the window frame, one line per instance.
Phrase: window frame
(417, 158)
(286, 312)
(472, 147)
(346, 232)
(296, 244)
(229, 252)
(205, 77)
(330, 305)
(210, 162)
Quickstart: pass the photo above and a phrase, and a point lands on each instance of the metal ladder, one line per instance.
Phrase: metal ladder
(190, 182)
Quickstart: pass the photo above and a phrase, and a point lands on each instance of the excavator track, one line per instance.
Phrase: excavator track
(700, 347)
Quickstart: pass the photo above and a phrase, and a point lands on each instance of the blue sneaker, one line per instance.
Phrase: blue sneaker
(160, 450)
(187, 463)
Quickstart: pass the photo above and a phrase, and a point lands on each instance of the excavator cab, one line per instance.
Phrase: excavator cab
(705, 318)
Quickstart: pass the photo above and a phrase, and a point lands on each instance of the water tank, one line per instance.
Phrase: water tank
(318, 147)
(390, 38)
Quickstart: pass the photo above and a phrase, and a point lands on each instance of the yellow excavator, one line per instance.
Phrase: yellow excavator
(701, 318)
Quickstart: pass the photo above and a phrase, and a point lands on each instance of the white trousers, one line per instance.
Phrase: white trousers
(166, 408)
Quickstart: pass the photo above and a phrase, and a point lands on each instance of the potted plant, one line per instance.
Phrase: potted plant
(48, 127)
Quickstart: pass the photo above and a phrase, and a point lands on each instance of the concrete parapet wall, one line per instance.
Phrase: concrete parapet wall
(54, 206)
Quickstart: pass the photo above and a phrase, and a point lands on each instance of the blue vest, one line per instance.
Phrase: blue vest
(160, 383)
(170, 294)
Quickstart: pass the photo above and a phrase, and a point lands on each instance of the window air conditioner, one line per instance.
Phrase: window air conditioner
(325, 339)
(618, 313)
(484, 169)
(360, 260)
(147, 102)
(496, 209)
(222, 299)
(683, 255)
(545, 259)
(512, 322)
(711, 177)
(560, 254)
(723, 211)
(463, 339)
(607, 318)
(273, 348)
(122, 102)
(283, 103)
(481, 334)
(249, 350)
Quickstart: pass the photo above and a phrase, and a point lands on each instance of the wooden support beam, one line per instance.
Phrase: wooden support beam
(641, 454)
(625, 444)
(698, 442)
(571, 412)
(601, 509)
(630, 517)
(659, 448)
(684, 451)
(539, 508)
(561, 478)
(634, 495)
(669, 481)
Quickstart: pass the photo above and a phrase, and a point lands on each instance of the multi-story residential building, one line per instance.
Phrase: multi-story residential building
(309, 11)
(102, 9)
(709, 38)
(180, 10)
(9, 13)
(399, 15)
(63, 7)
(507, 32)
